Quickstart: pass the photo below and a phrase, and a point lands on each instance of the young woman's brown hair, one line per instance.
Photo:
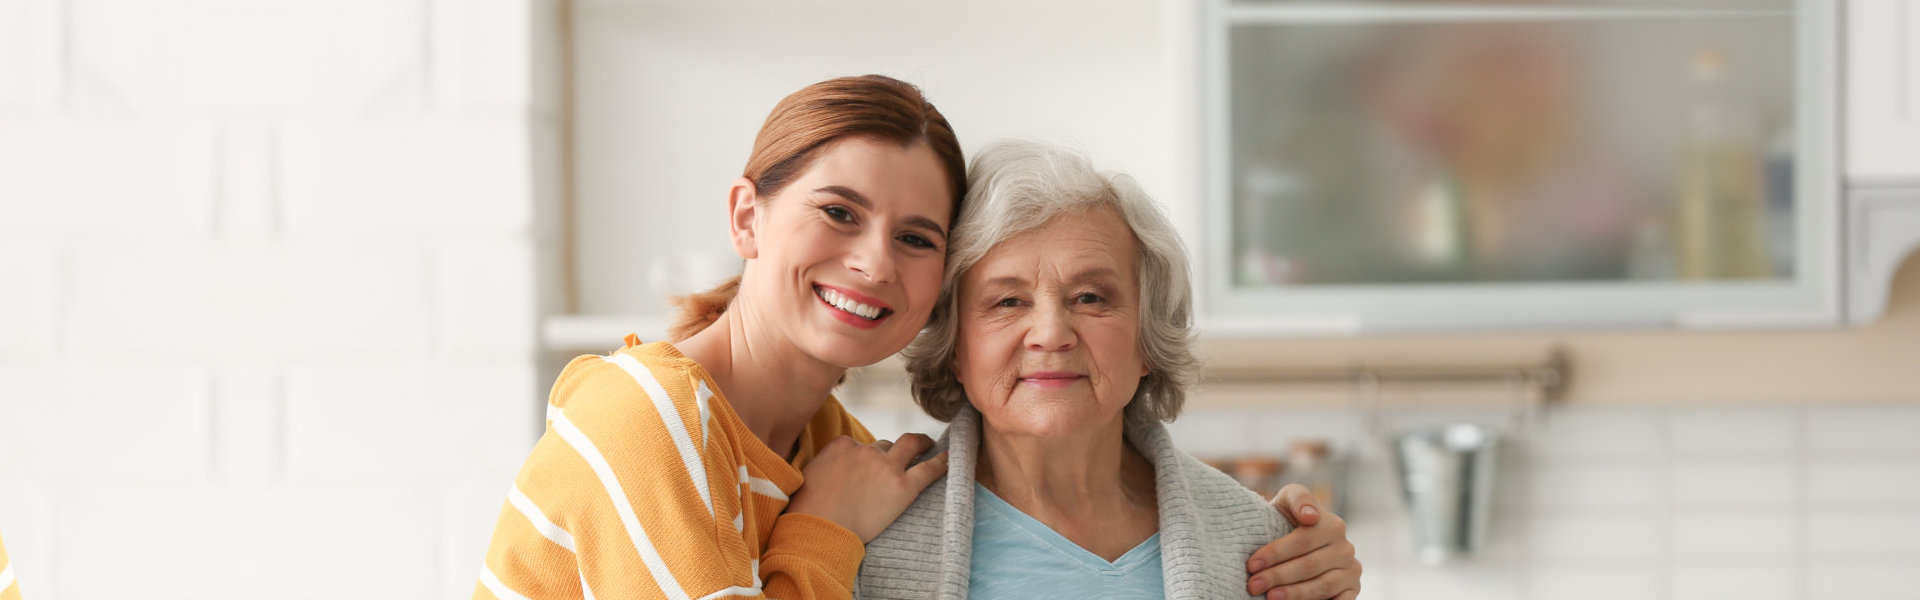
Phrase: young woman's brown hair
(874, 106)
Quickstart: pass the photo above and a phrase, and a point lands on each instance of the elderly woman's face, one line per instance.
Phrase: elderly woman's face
(1049, 328)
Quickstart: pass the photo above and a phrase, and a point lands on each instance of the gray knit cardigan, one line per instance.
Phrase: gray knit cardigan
(1209, 525)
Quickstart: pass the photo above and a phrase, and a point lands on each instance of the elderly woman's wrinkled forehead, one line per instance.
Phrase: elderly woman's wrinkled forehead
(1081, 238)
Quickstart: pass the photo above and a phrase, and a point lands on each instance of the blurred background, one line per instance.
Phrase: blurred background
(283, 282)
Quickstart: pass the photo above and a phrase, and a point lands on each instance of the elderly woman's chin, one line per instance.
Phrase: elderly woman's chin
(1059, 414)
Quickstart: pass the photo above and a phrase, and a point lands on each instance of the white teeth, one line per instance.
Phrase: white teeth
(844, 303)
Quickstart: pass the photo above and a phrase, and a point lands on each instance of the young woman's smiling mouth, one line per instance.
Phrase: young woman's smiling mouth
(853, 308)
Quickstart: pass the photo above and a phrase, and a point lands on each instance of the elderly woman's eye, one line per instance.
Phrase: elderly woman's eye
(1007, 302)
(1087, 298)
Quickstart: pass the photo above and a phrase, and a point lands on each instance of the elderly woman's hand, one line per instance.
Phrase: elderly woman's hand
(1313, 562)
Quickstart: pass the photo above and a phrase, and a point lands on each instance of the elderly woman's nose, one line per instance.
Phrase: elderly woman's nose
(1051, 330)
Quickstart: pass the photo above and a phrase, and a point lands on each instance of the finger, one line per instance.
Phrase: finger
(1293, 545)
(883, 445)
(924, 474)
(1305, 568)
(910, 446)
(1296, 502)
(1348, 595)
(841, 442)
(1324, 587)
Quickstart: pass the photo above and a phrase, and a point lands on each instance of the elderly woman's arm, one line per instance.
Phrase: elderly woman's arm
(1313, 562)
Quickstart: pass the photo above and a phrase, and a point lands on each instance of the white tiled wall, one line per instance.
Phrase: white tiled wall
(267, 291)
(1665, 502)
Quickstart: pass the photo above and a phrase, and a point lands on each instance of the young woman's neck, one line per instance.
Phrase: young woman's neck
(774, 386)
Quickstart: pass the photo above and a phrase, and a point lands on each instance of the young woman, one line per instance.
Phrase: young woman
(674, 469)
(667, 468)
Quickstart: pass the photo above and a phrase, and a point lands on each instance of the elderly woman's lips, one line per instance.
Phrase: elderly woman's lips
(1051, 380)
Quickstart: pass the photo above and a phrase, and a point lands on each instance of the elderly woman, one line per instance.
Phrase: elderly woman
(1059, 346)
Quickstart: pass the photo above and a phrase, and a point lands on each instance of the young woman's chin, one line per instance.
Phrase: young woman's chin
(849, 352)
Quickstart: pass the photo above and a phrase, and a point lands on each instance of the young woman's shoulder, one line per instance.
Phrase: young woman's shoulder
(638, 391)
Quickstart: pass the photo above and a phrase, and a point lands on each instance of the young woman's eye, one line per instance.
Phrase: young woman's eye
(838, 213)
(917, 241)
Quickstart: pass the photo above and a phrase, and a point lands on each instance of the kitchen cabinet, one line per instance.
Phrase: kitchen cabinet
(1882, 148)
(1883, 92)
(1405, 166)
(1883, 231)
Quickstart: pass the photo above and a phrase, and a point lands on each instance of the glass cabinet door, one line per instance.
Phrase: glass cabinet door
(1434, 164)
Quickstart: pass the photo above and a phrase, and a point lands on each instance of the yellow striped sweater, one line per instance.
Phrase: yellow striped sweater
(9, 588)
(646, 484)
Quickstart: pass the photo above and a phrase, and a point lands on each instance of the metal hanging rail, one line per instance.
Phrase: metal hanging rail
(1550, 377)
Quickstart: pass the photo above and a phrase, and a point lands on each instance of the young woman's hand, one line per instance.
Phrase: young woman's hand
(864, 487)
(1313, 562)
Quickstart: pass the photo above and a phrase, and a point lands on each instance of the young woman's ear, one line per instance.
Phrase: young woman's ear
(743, 214)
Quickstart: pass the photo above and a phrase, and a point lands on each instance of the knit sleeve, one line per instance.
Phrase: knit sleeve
(810, 557)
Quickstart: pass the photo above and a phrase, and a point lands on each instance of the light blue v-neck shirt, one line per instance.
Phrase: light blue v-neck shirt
(1017, 556)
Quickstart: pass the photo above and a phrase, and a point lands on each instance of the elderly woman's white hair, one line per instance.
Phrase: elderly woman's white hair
(1017, 186)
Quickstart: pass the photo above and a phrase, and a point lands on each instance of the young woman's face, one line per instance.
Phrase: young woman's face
(850, 253)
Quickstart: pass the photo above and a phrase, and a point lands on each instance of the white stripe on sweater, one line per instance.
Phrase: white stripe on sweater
(493, 583)
(648, 554)
(704, 397)
(764, 487)
(547, 527)
(733, 591)
(677, 429)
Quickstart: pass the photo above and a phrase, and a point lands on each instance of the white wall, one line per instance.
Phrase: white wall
(267, 292)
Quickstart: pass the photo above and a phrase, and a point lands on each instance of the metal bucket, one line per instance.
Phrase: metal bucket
(1446, 479)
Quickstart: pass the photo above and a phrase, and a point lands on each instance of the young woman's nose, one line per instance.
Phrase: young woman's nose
(872, 257)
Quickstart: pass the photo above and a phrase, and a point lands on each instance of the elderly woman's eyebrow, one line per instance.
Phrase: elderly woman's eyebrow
(1094, 274)
(1101, 274)
(1003, 282)
(854, 196)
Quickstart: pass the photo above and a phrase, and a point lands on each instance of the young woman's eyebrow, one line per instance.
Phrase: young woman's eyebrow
(856, 197)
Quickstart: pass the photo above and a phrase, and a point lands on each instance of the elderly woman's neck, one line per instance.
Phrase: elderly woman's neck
(1093, 488)
(774, 387)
